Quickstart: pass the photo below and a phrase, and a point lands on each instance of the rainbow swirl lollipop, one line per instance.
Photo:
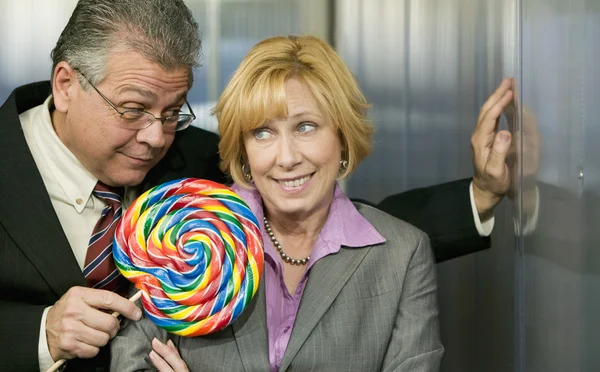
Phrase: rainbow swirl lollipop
(194, 249)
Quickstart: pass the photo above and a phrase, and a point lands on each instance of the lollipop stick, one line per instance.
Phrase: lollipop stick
(57, 365)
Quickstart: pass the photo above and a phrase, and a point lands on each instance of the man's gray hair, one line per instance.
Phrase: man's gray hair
(162, 31)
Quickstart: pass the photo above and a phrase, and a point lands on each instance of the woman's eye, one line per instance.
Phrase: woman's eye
(306, 127)
(261, 134)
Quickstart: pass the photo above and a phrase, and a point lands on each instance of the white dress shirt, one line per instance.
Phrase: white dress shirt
(484, 228)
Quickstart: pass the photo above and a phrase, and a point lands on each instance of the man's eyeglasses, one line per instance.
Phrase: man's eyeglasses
(139, 119)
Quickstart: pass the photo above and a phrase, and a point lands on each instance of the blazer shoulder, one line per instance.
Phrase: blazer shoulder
(197, 140)
(393, 229)
(24, 98)
(195, 132)
(194, 153)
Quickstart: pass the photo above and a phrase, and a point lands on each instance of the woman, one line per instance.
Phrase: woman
(346, 287)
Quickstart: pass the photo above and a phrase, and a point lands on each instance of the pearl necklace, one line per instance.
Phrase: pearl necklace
(284, 256)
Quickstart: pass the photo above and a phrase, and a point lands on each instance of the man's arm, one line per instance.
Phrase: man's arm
(445, 212)
(19, 327)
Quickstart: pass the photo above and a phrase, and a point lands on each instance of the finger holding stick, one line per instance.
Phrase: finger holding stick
(93, 320)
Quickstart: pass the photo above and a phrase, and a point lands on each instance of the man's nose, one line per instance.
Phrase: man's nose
(153, 134)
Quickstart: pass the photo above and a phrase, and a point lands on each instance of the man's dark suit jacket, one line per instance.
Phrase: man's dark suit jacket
(37, 265)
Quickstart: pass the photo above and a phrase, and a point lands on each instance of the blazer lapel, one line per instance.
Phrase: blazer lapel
(325, 281)
(26, 211)
(250, 332)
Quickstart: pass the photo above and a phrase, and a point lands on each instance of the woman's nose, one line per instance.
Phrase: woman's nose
(289, 154)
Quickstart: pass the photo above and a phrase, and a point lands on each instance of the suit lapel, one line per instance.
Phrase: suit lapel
(25, 208)
(250, 331)
(325, 281)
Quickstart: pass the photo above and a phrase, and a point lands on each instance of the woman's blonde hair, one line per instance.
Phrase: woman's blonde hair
(256, 94)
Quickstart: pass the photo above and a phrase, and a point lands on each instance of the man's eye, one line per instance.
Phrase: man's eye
(133, 113)
(172, 113)
(261, 134)
(133, 109)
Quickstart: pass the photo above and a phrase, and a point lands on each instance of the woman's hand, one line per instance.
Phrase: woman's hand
(166, 358)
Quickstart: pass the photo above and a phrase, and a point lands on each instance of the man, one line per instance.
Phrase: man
(121, 73)
(106, 126)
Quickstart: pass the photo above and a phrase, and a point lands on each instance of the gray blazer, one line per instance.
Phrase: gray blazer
(363, 309)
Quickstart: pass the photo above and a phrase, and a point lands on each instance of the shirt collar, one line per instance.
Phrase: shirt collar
(345, 226)
(74, 179)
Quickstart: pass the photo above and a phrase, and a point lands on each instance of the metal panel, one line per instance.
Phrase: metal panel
(427, 66)
(532, 302)
(561, 266)
(28, 32)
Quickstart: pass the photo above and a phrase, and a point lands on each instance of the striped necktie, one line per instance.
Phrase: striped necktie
(99, 268)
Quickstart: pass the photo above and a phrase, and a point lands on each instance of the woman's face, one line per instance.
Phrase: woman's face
(295, 160)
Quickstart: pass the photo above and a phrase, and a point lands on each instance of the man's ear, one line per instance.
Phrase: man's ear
(64, 84)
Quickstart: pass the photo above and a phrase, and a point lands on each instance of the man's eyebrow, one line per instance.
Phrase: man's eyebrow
(143, 92)
(149, 94)
(181, 97)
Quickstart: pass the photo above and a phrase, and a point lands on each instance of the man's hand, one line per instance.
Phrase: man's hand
(77, 326)
(490, 148)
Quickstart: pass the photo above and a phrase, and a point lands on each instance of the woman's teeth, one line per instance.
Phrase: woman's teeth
(295, 183)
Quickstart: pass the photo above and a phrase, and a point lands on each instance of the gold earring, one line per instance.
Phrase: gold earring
(246, 172)
(343, 165)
